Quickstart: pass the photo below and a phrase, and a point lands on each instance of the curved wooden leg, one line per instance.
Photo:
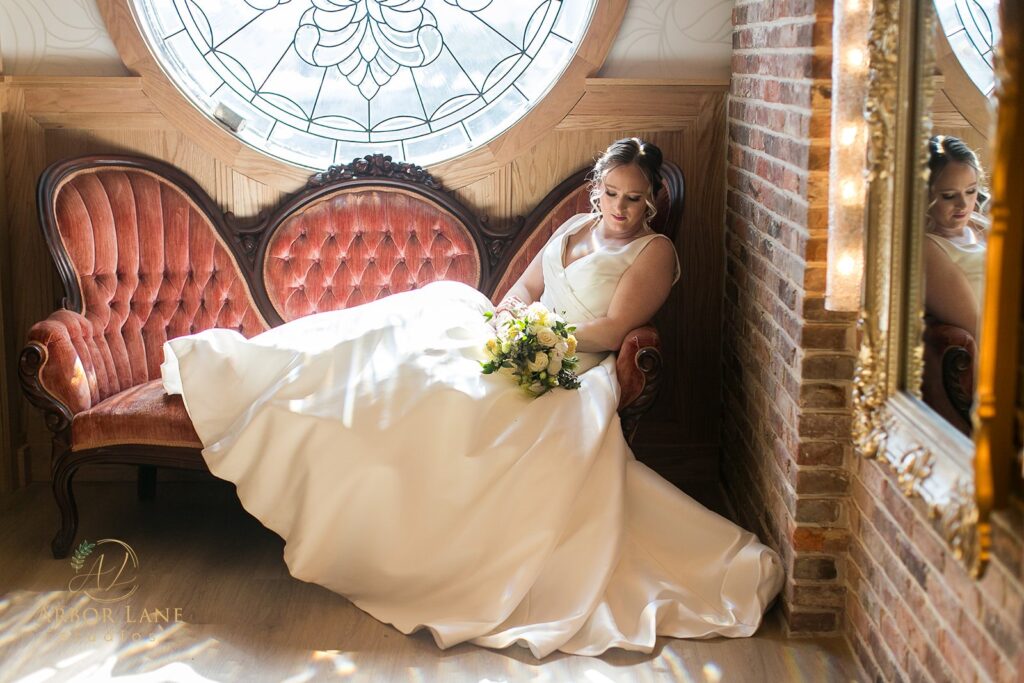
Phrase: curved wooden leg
(147, 482)
(63, 473)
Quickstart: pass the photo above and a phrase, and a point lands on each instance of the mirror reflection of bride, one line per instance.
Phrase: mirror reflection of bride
(954, 276)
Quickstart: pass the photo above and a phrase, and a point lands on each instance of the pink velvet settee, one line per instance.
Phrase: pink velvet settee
(145, 255)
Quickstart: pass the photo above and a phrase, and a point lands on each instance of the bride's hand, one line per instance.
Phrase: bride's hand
(511, 306)
(498, 320)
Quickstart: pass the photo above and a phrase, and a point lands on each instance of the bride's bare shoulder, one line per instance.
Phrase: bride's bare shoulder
(658, 256)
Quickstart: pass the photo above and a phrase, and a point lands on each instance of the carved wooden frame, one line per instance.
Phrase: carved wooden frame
(930, 458)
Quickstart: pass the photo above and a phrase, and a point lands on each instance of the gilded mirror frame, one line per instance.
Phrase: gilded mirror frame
(951, 477)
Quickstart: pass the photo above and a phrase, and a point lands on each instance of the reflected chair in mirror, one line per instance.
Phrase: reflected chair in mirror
(948, 382)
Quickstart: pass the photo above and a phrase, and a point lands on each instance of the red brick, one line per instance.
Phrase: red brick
(979, 645)
(807, 622)
(824, 395)
(817, 539)
(831, 453)
(818, 595)
(814, 310)
(825, 511)
(936, 666)
(864, 658)
(957, 659)
(1007, 548)
(1006, 636)
(822, 481)
(894, 638)
(828, 337)
(931, 547)
(828, 366)
(825, 425)
(818, 568)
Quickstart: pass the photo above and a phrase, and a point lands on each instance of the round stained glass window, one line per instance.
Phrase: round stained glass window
(317, 82)
(972, 28)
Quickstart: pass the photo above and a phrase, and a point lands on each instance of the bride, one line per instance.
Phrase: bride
(433, 496)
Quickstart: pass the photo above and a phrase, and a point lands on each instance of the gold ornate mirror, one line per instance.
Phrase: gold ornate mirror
(904, 358)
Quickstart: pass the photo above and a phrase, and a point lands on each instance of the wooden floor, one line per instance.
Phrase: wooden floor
(243, 618)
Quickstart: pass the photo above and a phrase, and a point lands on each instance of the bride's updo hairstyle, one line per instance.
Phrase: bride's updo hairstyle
(944, 149)
(644, 155)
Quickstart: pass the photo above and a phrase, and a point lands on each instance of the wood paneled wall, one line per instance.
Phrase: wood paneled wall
(52, 118)
(8, 473)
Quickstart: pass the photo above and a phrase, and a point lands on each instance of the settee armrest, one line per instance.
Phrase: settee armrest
(53, 366)
(638, 368)
(948, 382)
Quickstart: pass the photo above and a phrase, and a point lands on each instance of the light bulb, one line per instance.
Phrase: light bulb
(848, 191)
(855, 57)
(846, 266)
(848, 135)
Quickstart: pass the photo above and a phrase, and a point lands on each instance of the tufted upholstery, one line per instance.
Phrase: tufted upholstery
(576, 202)
(359, 245)
(150, 267)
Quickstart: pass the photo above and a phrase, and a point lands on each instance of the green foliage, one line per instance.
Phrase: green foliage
(81, 553)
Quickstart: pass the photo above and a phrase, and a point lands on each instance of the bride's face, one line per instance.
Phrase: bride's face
(624, 192)
(954, 196)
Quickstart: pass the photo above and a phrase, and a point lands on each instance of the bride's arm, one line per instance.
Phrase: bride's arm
(640, 293)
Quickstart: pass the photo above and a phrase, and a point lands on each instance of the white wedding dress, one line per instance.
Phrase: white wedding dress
(433, 496)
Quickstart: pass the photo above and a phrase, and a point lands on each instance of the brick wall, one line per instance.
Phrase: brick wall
(913, 612)
(861, 557)
(787, 361)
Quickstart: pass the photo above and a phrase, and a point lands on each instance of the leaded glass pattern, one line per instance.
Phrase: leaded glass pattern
(972, 28)
(317, 82)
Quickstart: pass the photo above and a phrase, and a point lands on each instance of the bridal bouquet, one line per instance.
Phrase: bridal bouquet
(535, 347)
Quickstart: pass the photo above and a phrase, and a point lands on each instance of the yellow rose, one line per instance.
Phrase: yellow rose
(571, 341)
(538, 313)
(493, 347)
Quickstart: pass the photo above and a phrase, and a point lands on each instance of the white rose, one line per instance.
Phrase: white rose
(555, 363)
(546, 336)
(539, 362)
